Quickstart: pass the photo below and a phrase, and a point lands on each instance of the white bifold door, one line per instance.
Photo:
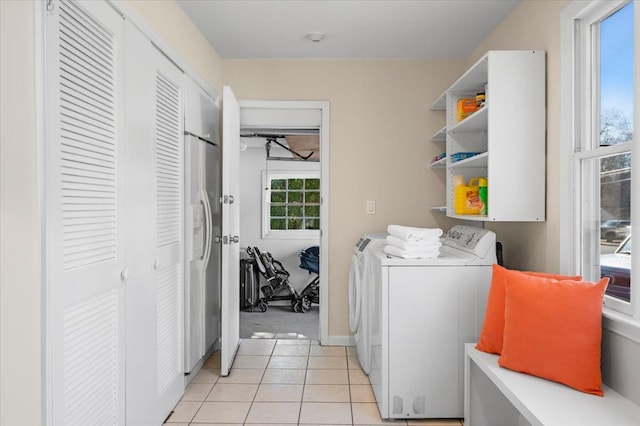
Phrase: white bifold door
(114, 243)
(154, 238)
(85, 214)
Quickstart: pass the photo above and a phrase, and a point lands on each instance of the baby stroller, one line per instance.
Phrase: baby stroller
(278, 287)
(310, 260)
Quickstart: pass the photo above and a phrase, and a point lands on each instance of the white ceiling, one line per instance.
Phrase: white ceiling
(354, 28)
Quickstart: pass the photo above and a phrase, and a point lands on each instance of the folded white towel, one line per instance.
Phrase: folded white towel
(409, 233)
(428, 244)
(407, 254)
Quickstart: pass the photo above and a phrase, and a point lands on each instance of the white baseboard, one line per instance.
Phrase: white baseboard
(340, 341)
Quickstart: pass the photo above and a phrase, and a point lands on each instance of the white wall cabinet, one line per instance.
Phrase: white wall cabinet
(508, 134)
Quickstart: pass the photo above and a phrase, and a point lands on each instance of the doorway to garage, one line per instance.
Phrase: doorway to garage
(283, 178)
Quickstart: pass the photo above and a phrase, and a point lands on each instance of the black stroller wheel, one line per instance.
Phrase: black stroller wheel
(262, 305)
(305, 304)
(297, 307)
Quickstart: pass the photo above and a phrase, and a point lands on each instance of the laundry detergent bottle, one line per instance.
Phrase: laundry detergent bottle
(465, 197)
(473, 203)
(459, 194)
(483, 193)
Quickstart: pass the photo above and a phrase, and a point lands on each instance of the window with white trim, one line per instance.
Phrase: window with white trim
(604, 92)
(291, 204)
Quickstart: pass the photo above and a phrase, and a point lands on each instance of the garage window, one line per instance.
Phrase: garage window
(291, 204)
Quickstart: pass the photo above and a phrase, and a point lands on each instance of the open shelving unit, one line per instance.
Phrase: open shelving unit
(508, 132)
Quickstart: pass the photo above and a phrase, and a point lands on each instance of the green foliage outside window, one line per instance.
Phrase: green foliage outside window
(295, 204)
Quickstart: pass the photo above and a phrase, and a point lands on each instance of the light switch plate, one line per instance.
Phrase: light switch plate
(371, 207)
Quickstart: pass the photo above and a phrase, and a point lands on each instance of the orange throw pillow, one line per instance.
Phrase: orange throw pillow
(553, 330)
(490, 339)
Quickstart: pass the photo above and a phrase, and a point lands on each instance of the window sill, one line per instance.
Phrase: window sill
(309, 235)
(621, 324)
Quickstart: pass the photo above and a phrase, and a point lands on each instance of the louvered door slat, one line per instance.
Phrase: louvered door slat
(90, 184)
(78, 171)
(76, 155)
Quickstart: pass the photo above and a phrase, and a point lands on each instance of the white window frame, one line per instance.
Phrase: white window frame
(267, 232)
(577, 99)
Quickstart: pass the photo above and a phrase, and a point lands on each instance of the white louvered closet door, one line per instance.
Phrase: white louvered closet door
(84, 213)
(154, 311)
(169, 241)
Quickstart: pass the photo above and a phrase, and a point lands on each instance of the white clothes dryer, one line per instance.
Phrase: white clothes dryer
(423, 312)
(359, 300)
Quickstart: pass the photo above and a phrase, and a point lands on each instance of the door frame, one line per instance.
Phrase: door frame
(323, 107)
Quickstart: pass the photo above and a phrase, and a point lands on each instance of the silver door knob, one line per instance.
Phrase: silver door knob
(235, 239)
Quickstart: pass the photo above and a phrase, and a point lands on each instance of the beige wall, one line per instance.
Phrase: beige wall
(181, 35)
(380, 117)
(535, 25)
(20, 244)
(379, 144)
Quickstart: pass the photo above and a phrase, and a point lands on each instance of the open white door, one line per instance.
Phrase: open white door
(230, 298)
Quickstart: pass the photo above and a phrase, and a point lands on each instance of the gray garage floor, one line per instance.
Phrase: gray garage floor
(280, 322)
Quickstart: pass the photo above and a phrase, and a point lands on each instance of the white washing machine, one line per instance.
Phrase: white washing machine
(423, 311)
(359, 284)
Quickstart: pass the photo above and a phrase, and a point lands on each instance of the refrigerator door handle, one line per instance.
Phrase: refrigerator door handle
(208, 226)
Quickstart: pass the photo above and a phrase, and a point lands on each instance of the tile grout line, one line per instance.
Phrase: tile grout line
(346, 354)
(304, 385)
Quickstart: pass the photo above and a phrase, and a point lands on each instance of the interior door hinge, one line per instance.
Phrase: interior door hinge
(49, 5)
(227, 199)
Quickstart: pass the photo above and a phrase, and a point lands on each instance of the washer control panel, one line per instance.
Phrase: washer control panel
(477, 241)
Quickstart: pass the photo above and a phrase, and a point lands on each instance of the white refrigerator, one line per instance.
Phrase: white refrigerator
(202, 228)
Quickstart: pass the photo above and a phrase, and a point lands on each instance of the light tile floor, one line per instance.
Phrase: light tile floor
(284, 382)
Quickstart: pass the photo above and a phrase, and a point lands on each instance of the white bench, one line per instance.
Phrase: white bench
(496, 396)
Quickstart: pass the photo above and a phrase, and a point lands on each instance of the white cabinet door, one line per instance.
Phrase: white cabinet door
(84, 180)
(230, 300)
(154, 306)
